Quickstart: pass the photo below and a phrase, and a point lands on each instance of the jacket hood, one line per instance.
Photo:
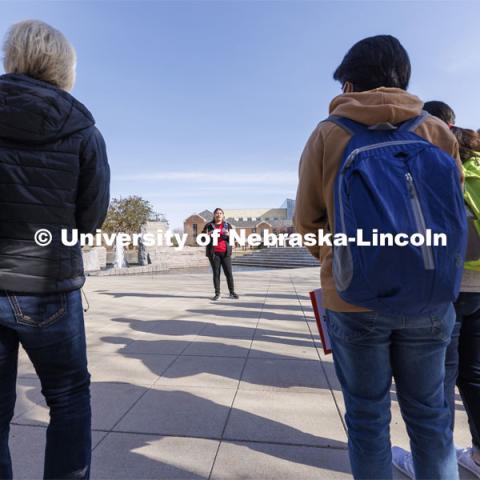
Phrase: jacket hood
(32, 111)
(382, 105)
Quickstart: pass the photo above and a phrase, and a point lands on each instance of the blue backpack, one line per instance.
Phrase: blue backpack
(393, 181)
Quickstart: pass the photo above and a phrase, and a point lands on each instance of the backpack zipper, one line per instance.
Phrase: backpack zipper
(420, 222)
(355, 152)
(417, 209)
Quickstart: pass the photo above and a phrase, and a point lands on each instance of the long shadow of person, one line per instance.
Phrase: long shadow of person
(140, 437)
(180, 328)
(225, 361)
(266, 315)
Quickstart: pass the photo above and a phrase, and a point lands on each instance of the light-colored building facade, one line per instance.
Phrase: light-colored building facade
(252, 220)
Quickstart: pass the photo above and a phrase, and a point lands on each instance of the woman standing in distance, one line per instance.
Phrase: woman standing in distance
(220, 255)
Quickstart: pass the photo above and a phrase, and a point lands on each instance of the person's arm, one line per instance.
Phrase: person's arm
(207, 229)
(310, 208)
(93, 196)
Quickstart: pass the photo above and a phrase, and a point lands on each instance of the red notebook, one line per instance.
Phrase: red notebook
(316, 298)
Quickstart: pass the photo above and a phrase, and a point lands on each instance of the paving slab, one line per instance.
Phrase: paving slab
(219, 347)
(283, 375)
(131, 456)
(190, 411)
(159, 345)
(286, 417)
(129, 368)
(284, 348)
(230, 329)
(196, 371)
(253, 461)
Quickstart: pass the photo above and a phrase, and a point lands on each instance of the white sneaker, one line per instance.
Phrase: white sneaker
(464, 458)
(403, 460)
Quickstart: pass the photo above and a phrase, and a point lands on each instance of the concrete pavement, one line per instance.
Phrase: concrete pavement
(183, 387)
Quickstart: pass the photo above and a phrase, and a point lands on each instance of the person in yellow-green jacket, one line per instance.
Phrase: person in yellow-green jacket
(462, 363)
(463, 354)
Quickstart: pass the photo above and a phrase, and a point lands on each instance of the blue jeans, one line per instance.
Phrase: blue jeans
(370, 348)
(50, 328)
(463, 362)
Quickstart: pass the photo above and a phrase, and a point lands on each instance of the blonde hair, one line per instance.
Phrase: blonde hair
(38, 50)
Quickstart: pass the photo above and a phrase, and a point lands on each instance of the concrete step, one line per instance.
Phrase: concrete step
(274, 265)
(288, 257)
(279, 252)
(279, 258)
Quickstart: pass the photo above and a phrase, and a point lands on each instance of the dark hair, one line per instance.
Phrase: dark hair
(373, 62)
(468, 140)
(215, 211)
(441, 110)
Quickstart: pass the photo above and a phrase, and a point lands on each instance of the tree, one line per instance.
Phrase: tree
(127, 215)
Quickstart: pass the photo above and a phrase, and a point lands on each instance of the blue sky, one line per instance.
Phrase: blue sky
(207, 104)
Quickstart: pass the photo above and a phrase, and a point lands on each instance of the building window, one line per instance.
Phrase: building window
(195, 229)
(254, 230)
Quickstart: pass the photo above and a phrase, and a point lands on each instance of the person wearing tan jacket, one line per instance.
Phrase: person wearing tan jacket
(321, 158)
(369, 348)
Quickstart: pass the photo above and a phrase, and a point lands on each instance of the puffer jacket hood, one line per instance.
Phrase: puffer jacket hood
(35, 112)
(382, 105)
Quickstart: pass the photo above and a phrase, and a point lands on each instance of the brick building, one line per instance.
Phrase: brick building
(252, 220)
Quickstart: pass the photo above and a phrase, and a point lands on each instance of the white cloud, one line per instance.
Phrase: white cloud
(215, 177)
(239, 190)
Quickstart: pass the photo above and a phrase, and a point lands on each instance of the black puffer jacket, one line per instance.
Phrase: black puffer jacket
(54, 174)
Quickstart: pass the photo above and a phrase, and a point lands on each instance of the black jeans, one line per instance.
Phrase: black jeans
(50, 328)
(218, 261)
(463, 361)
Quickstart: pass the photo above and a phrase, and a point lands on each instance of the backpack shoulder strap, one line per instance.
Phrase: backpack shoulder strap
(350, 126)
(413, 123)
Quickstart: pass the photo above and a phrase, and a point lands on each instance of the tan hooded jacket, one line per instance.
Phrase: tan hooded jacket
(321, 159)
